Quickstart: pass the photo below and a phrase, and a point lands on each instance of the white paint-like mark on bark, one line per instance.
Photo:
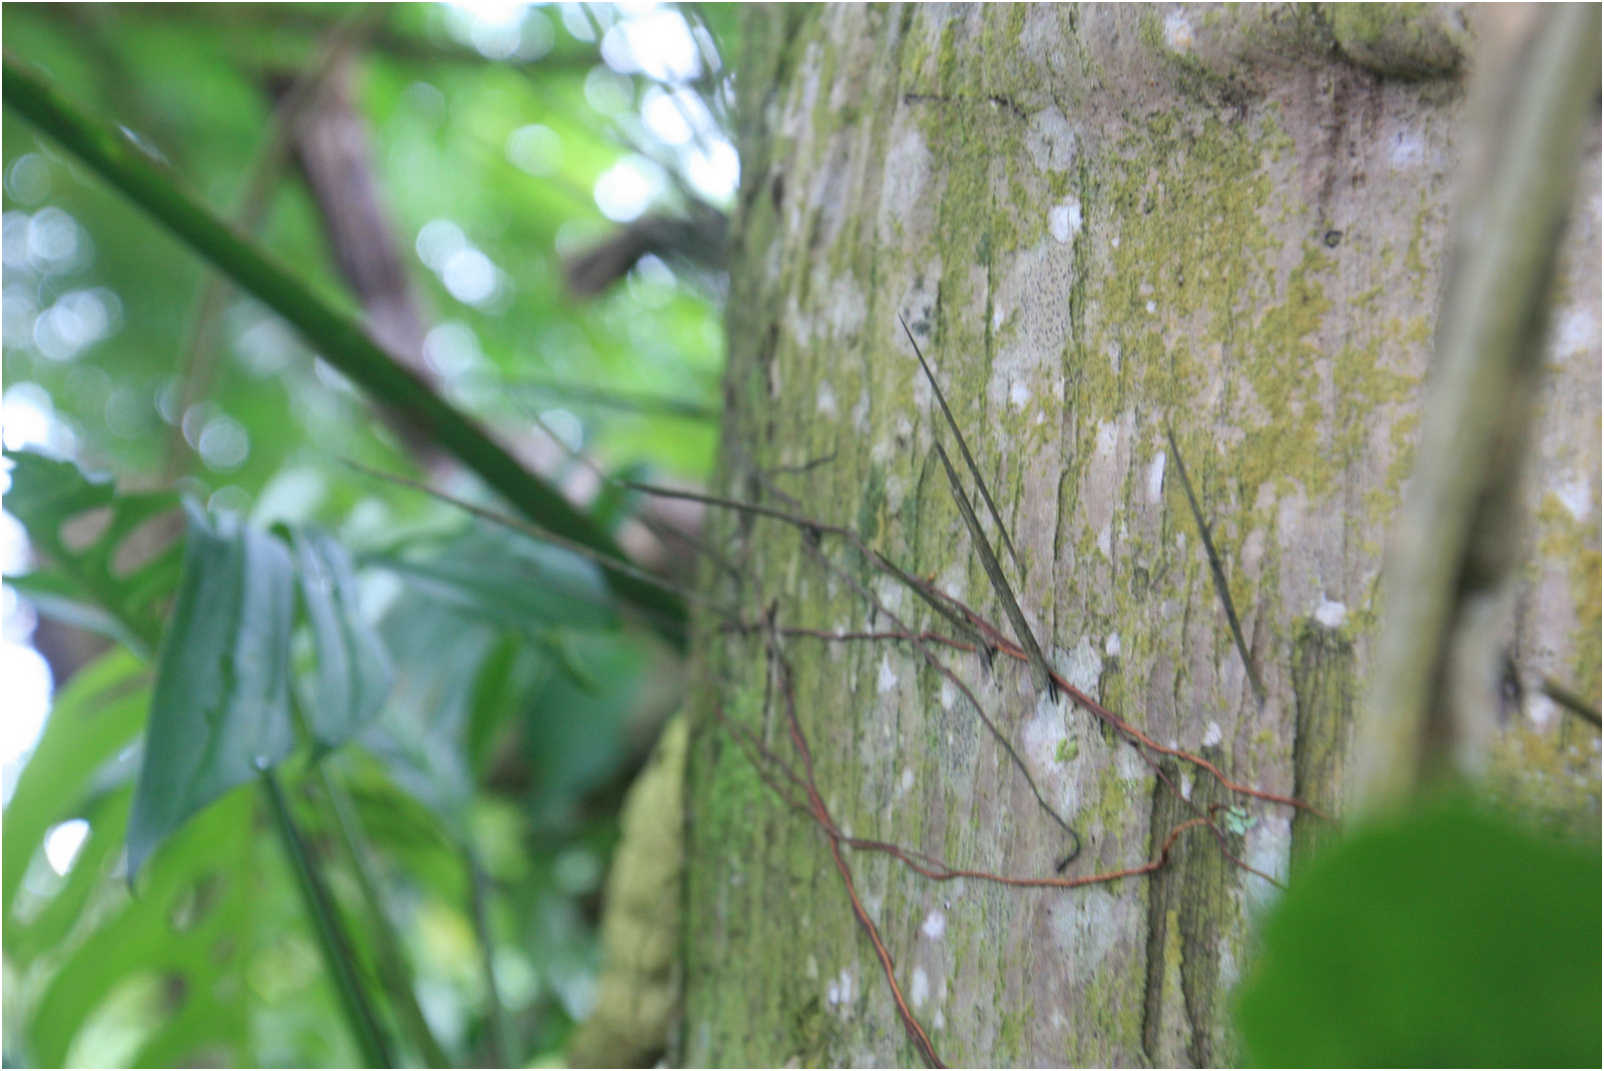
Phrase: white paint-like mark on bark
(1064, 220)
(1155, 477)
(1079, 665)
(919, 990)
(1269, 848)
(1105, 541)
(1178, 32)
(1577, 329)
(1407, 151)
(1330, 614)
(1018, 395)
(1576, 495)
(888, 676)
(1111, 646)
(1213, 734)
(1540, 710)
(1152, 307)
(907, 778)
(934, 925)
(826, 403)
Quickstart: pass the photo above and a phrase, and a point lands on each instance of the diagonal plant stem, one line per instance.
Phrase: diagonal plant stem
(334, 333)
(392, 964)
(1217, 569)
(332, 939)
(1040, 674)
(963, 446)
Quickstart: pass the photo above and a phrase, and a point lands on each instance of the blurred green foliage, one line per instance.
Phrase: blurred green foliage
(520, 699)
(1449, 936)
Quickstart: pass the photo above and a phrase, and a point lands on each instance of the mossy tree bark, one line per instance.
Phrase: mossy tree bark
(1103, 225)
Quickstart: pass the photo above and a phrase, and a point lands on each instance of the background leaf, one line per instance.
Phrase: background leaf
(221, 709)
(353, 668)
(91, 584)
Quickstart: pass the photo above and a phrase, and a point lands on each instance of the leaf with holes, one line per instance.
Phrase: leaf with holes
(221, 709)
(115, 556)
(92, 719)
(353, 668)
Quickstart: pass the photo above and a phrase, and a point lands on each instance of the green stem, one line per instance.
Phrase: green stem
(392, 964)
(500, 1034)
(337, 335)
(331, 937)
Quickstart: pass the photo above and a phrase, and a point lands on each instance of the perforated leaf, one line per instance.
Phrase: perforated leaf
(113, 568)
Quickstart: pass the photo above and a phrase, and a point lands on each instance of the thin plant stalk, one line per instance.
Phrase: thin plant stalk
(332, 939)
(392, 964)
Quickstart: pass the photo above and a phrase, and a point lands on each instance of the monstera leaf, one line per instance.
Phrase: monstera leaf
(111, 569)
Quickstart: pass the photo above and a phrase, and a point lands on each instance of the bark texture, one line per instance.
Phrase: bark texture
(1102, 224)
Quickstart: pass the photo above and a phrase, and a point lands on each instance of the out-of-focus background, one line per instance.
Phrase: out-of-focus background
(526, 204)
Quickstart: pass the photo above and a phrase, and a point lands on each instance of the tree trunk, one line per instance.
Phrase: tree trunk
(1133, 243)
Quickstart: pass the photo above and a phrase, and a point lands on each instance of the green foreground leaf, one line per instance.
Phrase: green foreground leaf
(1447, 938)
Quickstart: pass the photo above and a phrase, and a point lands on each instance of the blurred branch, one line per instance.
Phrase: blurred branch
(1434, 697)
(251, 207)
(603, 398)
(699, 241)
(338, 336)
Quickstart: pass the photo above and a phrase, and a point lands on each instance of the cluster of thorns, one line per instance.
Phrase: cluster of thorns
(797, 785)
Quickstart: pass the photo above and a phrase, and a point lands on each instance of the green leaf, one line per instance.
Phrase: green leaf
(1448, 937)
(221, 709)
(93, 718)
(187, 926)
(87, 587)
(505, 578)
(353, 668)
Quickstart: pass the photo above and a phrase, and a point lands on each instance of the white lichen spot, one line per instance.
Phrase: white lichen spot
(938, 1021)
(919, 989)
(906, 781)
(1105, 541)
(888, 676)
(1178, 32)
(1576, 330)
(1111, 646)
(1152, 307)
(1576, 495)
(1155, 477)
(997, 316)
(1269, 849)
(948, 694)
(1213, 735)
(1540, 709)
(826, 404)
(1064, 220)
(1018, 395)
(860, 413)
(1186, 786)
(934, 925)
(1114, 241)
(1080, 665)
(1406, 152)
(1330, 614)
